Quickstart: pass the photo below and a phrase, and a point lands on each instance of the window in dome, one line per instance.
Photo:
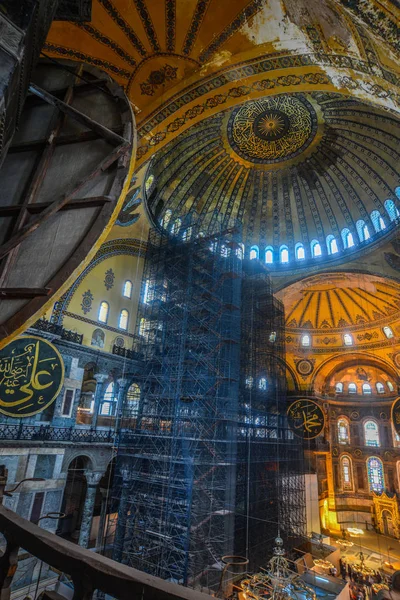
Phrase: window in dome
(187, 234)
(176, 227)
(240, 251)
(123, 319)
(249, 382)
(366, 388)
(390, 386)
(224, 251)
(346, 473)
(166, 218)
(339, 387)
(375, 474)
(352, 388)
(377, 221)
(380, 388)
(149, 182)
(254, 252)
(127, 293)
(306, 341)
(343, 431)
(347, 237)
(300, 254)
(284, 254)
(397, 192)
(388, 332)
(262, 384)
(391, 210)
(103, 312)
(269, 255)
(348, 339)
(361, 229)
(331, 244)
(315, 248)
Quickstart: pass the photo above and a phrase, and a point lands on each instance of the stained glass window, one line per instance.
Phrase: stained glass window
(375, 474)
(343, 431)
(371, 433)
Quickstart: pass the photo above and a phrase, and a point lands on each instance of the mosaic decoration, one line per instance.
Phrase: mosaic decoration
(98, 337)
(272, 129)
(87, 301)
(128, 216)
(304, 367)
(109, 279)
(31, 376)
(306, 418)
(123, 25)
(119, 342)
(157, 78)
(103, 39)
(86, 58)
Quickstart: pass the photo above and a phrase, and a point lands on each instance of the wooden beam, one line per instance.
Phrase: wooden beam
(33, 100)
(106, 133)
(54, 207)
(19, 293)
(61, 140)
(74, 203)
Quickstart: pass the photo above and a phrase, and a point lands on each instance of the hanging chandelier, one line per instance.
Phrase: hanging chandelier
(278, 581)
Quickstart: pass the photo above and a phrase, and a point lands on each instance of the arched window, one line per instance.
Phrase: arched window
(352, 388)
(380, 388)
(187, 234)
(346, 473)
(127, 292)
(397, 192)
(315, 248)
(240, 251)
(375, 474)
(254, 252)
(108, 403)
(347, 238)
(103, 312)
(176, 227)
(143, 326)
(391, 210)
(362, 230)
(366, 388)
(123, 319)
(149, 182)
(306, 340)
(388, 332)
(131, 408)
(343, 431)
(166, 218)
(339, 388)
(262, 384)
(331, 244)
(269, 255)
(377, 221)
(390, 386)
(284, 254)
(348, 339)
(299, 250)
(371, 434)
(224, 251)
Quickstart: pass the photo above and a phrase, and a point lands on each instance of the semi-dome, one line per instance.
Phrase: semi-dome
(309, 176)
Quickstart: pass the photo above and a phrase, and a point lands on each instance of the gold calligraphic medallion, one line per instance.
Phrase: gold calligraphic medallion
(396, 415)
(272, 129)
(306, 418)
(31, 376)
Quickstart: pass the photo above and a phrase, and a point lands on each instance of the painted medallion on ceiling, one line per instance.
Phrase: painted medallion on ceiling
(272, 129)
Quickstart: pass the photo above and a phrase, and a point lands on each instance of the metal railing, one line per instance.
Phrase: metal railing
(48, 433)
(87, 570)
(65, 334)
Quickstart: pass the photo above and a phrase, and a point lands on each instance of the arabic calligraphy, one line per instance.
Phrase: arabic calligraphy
(306, 418)
(31, 376)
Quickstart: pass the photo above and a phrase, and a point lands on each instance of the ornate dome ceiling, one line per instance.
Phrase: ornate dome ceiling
(291, 168)
(340, 301)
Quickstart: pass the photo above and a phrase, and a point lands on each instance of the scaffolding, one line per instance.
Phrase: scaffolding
(199, 473)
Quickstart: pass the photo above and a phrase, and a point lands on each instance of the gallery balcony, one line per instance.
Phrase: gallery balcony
(84, 570)
(48, 433)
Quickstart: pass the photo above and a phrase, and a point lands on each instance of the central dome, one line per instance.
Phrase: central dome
(273, 129)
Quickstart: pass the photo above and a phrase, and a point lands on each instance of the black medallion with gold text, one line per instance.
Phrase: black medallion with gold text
(31, 376)
(306, 418)
(396, 415)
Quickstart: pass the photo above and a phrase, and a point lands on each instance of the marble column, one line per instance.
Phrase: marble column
(92, 480)
(98, 395)
(103, 518)
(122, 383)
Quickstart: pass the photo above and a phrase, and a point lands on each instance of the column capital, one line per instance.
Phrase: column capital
(100, 377)
(122, 382)
(93, 477)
